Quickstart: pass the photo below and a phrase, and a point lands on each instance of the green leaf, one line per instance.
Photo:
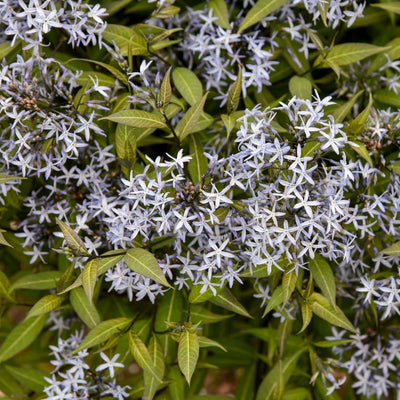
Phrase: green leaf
(125, 143)
(152, 384)
(3, 240)
(86, 311)
(22, 336)
(360, 149)
(227, 300)
(323, 277)
(164, 96)
(278, 376)
(393, 250)
(393, 6)
(5, 49)
(31, 378)
(199, 314)
(137, 119)
(9, 386)
(395, 167)
(75, 243)
(102, 79)
(259, 11)
(381, 59)
(245, 390)
(388, 97)
(207, 342)
(186, 125)
(235, 93)
(188, 353)
(89, 276)
(321, 307)
(142, 356)
(220, 10)
(306, 313)
(331, 343)
(296, 394)
(144, 263)
(289, 280)
(300, 87)
(275, 300)
(188, 85)
(229, 122)
(177, 385)
(103, 331)
(198, 165)
(310, 148)
(7, 178)
(341, 112)
(130, 41)
(38, 281)
(5, 287)
(359, 123)
(44, 305)
(347, 53)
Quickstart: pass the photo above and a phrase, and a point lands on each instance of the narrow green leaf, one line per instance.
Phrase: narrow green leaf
(7, 178)
(207, 342)
(360, 149)
(289, 280)
(341, 112)
(5, 287)
(188, 353)
(227, 300)
(199, 314)
(151, 383)
(229, 122)
(323, 277)
(331, 343)
(9, 386)
(220, 10)
(144, 263)
(300, 87)
(137, 119)
(75, 243)
(306, 313)
(22, 336)
(297, 394)
(388, 97)
(89, 276)
(188, 85)
(86, 311)
(321, 307)
(38, 281)
(198, 165)
(359, 123)
(3, 240)
(347, 53)
(234, 93)
(259, 11)
(275, 300)
(393, 6)
(142, 356)
(165, 90)
(5, 49)
(102, 79)
(395, 167)
(31, 378)
(393, 53)
(177, 385)
(189, 120)
(393, 250)
(44, 305)
(103, 331)
(245, 390)
(310, 148)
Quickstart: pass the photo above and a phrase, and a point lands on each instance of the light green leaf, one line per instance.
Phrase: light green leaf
(151, 383)
(29, 377)
(75, 243)
(289, 280)
(347, 53)
(142, 356)
(5, 288)
(9, 386)
(137, 119)
(7, 178)
(275, 300)
(229, 122)
(393, 53)
(86, 311)
(44, 305)
(259, 11)
(130, 41)
(177, 385)
(220, 10)
(341, 112)
(188, 353)
(395, 167)
(296, 394)
(207, 342)
(3, 240)
(199, 314)
(144, 263)
(393, 250)
(306, 313)
(388, 97)
(360, 149)
(5, 49)
(188, 85)
(103, 331)
(164, 96)
(125, 143)
(321, 307)
(393, 6)
(197, 296)
(89, 276)
(323, 277)
(102, 79)
(22, 336)
(310, 148)
(198, 165)
(227, 300)
(234, 93)
(359, 123)
(186, 125)
(331, 343)
(300, 87)
(38, 281)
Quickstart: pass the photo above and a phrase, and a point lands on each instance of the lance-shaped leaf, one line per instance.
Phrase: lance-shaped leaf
(142, 356)
(44, 305)
(177, 385)
(86, 311)
(3, 240)
(144, 263)
(227, 300)
(188, 122)
(199, 314)
(341, 112)
(278, 375)
(306, 313)
(29, 377)
(275, 300)
(125, 143)
(138, 119)
(387, 96)
(38, 281)
(164, 95)
(7, 178)
(89, 276)
(235, 93)
(310, 148)
(359, 123)
(323, 277)
(360, 149)
(198, 165)
(22, 336)
(300, 87)
(188, 85)
(259, 11)
(103, 331)
(152, 383)
(5, 287)
(220, 10)
(321, 307)
(207, 342)
(188, 353)
(289, 280)
(393, 6)
(393, 250)
(75, 243)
